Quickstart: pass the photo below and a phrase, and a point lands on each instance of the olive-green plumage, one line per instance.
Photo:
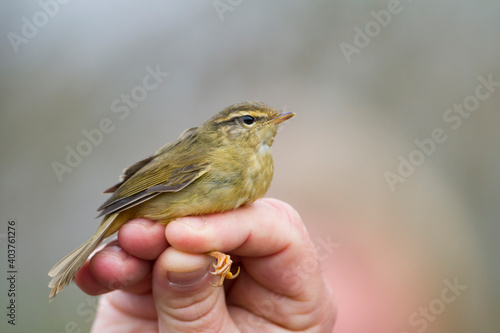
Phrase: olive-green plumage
(222, 165)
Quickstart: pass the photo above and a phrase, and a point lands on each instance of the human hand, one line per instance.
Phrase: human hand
(164, 286)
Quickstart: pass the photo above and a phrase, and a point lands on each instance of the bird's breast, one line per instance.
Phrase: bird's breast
(259, 173)
(246, 179)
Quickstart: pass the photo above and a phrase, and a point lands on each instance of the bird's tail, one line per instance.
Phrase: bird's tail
(64, 271)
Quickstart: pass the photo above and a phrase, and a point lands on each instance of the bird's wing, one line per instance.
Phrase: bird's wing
(170, 170)
(154, 178)
(131, 170)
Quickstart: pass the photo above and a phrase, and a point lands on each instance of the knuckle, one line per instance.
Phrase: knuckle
(289, 214)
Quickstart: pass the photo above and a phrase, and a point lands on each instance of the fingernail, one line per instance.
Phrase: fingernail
(194, 221)
(146, 223)
(186, 278)
(116, 251)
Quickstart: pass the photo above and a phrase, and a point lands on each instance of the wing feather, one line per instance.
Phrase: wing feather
(131, 170)
(171, 169)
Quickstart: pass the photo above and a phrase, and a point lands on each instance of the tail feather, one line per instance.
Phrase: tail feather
(64, 271)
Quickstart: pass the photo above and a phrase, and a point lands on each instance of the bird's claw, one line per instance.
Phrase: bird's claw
(222, 267)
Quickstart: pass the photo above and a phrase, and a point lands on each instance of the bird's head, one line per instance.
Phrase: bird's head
(247, 124)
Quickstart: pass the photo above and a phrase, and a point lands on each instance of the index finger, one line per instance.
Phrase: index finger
(269, 236)
(280, 280)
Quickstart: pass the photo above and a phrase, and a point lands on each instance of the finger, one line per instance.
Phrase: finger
(112, 268)
(185, 300)
(143, 238)
(125, 312)
(265, 228)
(134, 305)
(88, 283)
(279, 260)
(313, 308)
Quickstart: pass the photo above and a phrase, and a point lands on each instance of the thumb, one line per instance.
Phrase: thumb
(184, 299)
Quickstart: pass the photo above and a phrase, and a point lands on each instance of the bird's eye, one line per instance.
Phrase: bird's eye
(248, 120)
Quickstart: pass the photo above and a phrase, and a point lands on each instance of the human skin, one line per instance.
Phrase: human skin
(156, 278)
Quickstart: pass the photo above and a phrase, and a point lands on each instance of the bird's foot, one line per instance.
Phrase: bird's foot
(222, 267)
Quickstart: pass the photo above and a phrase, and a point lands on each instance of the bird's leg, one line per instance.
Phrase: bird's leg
(222, 267)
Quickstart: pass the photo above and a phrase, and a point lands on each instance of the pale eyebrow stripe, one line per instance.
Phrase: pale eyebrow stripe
(255, 114)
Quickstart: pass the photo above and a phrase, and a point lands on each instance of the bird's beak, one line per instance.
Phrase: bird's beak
(281, 118)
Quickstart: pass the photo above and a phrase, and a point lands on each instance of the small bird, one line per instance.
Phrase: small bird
(222, 165)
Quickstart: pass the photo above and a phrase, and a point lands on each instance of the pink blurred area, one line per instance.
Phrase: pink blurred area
(358, 116)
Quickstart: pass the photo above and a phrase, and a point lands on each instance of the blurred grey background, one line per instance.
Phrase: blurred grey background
(364, 85)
